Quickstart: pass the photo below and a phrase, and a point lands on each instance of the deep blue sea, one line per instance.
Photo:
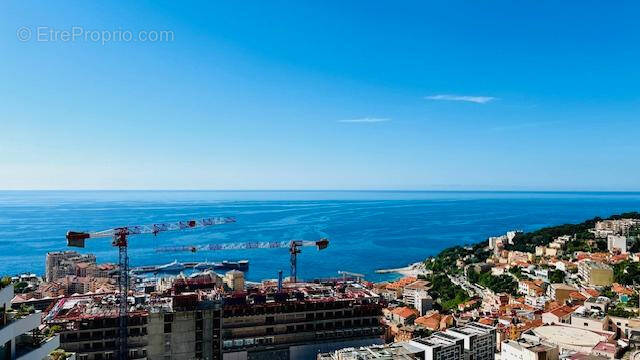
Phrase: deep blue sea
(368, 230)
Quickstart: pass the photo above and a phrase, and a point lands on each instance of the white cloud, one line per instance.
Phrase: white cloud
(473, 99)
(365, 120)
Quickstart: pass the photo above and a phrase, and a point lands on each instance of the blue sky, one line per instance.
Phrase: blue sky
(540, 95)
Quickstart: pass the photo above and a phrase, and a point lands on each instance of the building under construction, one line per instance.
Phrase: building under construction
(294, 321)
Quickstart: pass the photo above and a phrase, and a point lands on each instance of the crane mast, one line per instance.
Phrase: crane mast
(120, 240)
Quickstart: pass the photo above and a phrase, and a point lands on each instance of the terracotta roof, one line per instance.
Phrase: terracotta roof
(404, 312)
(562, 311)
(617, 288)
(431, 322)
(592, 292)
(401, 283)
(577, 296)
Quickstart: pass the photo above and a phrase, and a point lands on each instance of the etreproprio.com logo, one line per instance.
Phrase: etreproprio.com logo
(80, 34)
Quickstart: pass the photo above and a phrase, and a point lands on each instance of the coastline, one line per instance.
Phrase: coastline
(414, 269)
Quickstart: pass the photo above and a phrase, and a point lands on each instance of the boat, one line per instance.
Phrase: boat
(242, 265)
(174, 266)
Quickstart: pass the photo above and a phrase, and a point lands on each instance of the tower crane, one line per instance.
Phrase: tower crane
(293, 245)
(120, 240)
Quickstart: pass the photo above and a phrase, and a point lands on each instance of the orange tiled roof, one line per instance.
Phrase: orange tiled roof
(617, 288)
(404, 312)
(431, 322)
(401, 283)
(577, 296)
(562, 311)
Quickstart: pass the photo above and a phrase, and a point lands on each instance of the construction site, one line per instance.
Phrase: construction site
(201, 314)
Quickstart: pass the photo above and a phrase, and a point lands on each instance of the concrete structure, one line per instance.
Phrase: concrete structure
(617, 243)
(234, 280)
(61, 263)
(89, 327)
(595, 273)
(300, 322)
(479, 340)
(19, 335)
(623, 326)
(185, 327)
(393, 351)
(440, 346)
(525, 350)
(567, 338)
(559, 315)
(600, 303)
(560, 292)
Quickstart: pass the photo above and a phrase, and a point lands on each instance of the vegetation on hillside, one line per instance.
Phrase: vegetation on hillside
(528, 241)
(446, 293)
(445, 261)
(627, 273)
(503, 283)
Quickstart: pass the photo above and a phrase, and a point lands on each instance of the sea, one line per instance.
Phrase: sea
(367, 230)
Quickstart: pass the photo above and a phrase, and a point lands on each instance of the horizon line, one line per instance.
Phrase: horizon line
(330, 190)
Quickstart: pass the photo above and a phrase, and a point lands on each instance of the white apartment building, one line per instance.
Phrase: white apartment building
(617, 242)
(17, 339)
(526, 350)
(416, 295)
(440, 346)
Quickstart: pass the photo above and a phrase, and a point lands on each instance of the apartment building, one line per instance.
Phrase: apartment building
(528, 350)
(20, 338)
(440, 346)
(560, 292)
(479, 340)
(61, 263)
(393, 351)
(617, 243)
(595, 273)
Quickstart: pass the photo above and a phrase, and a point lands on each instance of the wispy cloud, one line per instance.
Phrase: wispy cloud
(528, 125)
(365, 120)
(473, 99)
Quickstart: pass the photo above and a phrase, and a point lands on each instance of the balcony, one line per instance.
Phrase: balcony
(17, 324)
(36, 347)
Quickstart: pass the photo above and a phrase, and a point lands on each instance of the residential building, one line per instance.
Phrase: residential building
(61, 263)
(595, 273)
(617, 243)
(20, 338)
(560, 292)
(600, 303)
(559, 315)
(440, 346)
(526, 350)
(393, 351)
(479, 340)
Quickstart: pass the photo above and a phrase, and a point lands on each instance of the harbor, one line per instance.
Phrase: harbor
(176, 266)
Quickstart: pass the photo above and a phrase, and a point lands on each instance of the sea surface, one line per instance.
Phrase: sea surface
(368, 230)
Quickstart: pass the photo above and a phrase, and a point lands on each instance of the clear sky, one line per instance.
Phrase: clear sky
(320, 95)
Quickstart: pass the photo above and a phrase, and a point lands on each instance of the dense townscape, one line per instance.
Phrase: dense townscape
(563, 292)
